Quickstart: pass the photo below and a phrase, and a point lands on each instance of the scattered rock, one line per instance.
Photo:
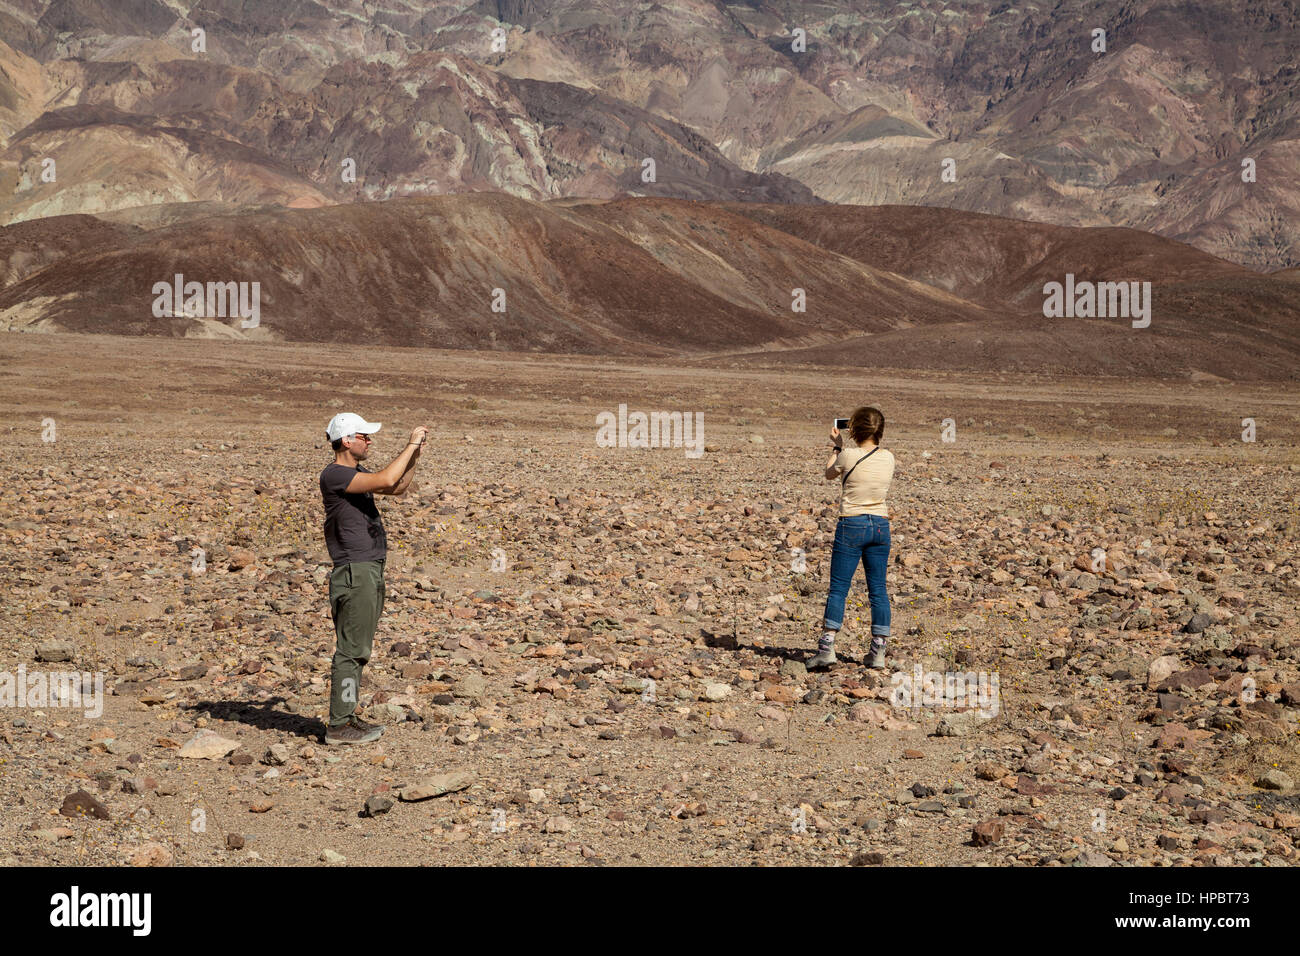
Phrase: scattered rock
(81, 804)
(961, 724)
(1160, 669)
(240, 558)
(794, 669)
(152, 854)
(1090, 857)
(1275, 780)
(867, 858)
(717, 692)
(207, 745)
(54, 835)
(471, 686)
(437, 786)
(987, 832)
(55, 651)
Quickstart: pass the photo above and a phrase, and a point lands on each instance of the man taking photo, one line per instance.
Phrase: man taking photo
(358, 546)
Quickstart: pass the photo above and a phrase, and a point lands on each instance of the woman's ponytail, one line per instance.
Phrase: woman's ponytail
(867, 424)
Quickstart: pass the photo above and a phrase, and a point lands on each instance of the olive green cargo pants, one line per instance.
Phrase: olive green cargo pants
(356, 601)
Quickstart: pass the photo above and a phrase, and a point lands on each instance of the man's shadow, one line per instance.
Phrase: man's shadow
(261, 715)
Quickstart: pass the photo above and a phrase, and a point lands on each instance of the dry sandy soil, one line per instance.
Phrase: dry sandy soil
(1147, 712)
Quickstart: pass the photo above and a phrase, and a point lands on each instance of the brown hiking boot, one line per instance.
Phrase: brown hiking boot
(367, 725)
(351, 733)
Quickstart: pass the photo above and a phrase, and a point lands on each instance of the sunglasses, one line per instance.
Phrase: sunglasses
(366, 438)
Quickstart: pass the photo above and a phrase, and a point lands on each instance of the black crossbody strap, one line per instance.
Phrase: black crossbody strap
(845, 480)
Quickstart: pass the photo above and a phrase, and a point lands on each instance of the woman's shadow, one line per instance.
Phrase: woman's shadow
(724, 641)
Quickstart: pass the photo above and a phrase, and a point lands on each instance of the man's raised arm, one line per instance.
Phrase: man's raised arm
(385, 480)
(404, 482)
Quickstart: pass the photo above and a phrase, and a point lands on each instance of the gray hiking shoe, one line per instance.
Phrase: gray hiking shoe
(876, 659)
(351, 733)
(823, 659)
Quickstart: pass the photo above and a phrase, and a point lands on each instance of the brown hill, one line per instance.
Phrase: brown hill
(1000, 263)
(659, 276)
(643, 276)
(29, 247)
(1239, 330)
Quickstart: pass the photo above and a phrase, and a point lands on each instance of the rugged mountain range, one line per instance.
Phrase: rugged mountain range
(1011, 110)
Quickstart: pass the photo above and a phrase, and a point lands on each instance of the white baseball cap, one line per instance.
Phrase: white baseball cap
(346, 423)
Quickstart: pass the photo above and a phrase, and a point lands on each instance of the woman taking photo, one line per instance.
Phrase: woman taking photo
(862, 533)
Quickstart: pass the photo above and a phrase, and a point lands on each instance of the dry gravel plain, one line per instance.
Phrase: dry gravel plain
(628, 690)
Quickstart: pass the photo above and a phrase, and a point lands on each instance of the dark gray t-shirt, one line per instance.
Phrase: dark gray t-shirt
(353, 529)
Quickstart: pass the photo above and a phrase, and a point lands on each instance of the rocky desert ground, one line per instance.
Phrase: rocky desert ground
(594, 655)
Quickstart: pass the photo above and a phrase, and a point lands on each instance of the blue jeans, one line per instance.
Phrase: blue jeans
(862, 538)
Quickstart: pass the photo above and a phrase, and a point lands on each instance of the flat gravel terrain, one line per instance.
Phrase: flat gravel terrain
(594, 655)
